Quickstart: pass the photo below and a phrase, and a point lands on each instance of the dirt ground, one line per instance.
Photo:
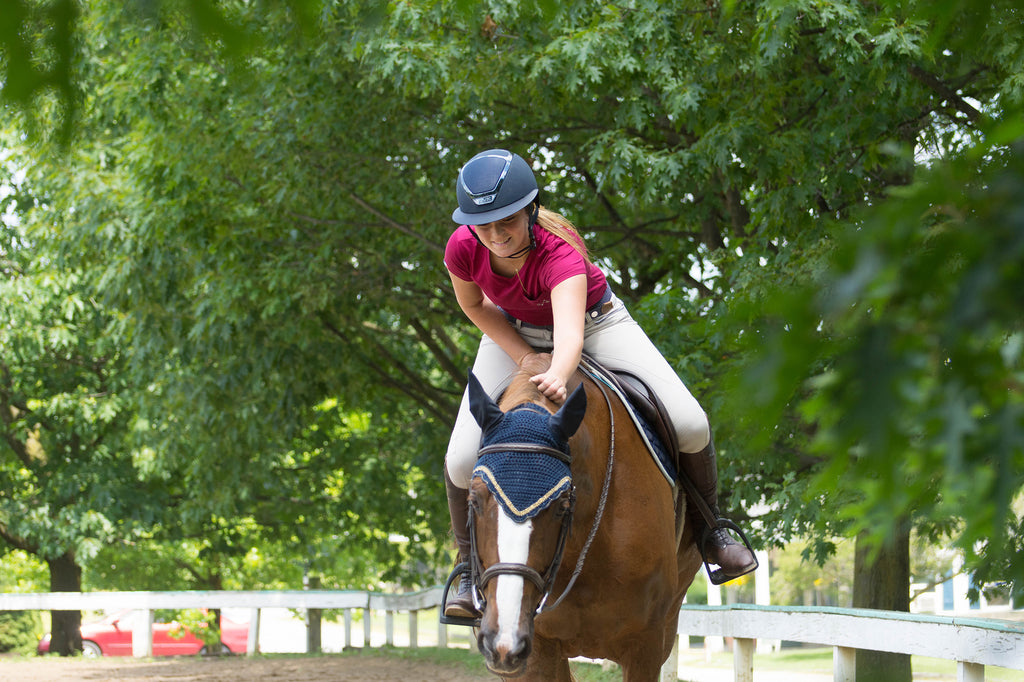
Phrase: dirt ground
(362, 668)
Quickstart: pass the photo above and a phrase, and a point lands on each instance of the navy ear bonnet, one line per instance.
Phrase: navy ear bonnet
(524, 483)
(525, 424)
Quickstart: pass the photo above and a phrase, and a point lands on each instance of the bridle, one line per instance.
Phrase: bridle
(567, 505)
(543, 582)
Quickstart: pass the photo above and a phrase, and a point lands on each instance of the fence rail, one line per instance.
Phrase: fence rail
(311, 600)
(972, 642)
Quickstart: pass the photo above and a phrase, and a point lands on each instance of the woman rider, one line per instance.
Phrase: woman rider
(521, 274)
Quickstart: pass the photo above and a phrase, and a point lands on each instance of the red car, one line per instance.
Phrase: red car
(112, 636)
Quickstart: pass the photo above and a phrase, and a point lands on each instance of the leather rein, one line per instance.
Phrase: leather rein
(481, 577)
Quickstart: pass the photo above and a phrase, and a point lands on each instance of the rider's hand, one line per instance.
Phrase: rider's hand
(551, 385)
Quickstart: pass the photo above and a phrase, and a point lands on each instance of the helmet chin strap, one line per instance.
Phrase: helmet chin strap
(533, 238)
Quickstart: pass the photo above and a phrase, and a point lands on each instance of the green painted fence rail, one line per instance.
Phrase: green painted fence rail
(972, 642)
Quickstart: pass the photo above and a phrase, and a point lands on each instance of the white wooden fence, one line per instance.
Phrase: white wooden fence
(972, 643)
(142, 635)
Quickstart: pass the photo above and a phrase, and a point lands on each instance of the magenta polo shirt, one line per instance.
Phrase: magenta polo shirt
(528, 296)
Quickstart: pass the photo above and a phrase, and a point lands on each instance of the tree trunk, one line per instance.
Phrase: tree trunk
(883, 584)
(65, 631)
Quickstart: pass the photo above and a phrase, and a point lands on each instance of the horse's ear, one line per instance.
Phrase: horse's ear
(484, 410)
(570, 414)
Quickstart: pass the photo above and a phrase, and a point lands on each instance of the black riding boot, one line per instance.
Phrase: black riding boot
(717, 546)
(461, 604)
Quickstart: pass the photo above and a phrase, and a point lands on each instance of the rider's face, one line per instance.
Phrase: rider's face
(506, 236)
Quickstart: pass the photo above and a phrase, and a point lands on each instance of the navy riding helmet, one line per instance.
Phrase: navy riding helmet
(493, 185)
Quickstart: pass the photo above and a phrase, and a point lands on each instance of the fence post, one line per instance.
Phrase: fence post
(313, 620)
(844, 664)
(763, 595)
(366, 626)
(413, 629)
(348, 628)
(713, 643)
(442, 635)
(969, 672)
(743, 659)
(252, 643)
(142, 634)
(389, 628)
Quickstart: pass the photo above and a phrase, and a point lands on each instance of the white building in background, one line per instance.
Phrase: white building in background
(950, 598)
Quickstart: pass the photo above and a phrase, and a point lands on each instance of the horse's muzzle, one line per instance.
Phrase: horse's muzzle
(506, 658)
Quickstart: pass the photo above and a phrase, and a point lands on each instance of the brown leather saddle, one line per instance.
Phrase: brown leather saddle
(644, 403)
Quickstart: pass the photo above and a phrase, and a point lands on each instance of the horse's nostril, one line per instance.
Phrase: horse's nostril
(483, 642)
(524, 650)
(515, 653)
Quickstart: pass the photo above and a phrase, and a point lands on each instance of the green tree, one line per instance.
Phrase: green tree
(240, 328)
(68, 485)
(745, 142)
(270, 217)
(800, 581)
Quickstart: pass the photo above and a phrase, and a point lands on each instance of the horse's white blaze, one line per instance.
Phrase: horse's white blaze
(514, 548)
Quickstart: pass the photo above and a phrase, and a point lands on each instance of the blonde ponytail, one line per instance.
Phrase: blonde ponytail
(559, 226)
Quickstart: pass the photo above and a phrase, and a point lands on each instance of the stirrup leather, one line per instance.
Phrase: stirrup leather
(718, 576)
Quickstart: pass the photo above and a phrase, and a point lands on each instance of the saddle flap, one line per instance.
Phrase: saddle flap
(645, 410)
(649, 406)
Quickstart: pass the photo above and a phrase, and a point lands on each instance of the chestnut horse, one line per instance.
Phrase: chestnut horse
(596, 566)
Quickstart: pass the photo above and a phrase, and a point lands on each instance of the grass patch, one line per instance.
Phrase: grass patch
(591, 672)
(809, 660)
(472, 662)
(469, 661)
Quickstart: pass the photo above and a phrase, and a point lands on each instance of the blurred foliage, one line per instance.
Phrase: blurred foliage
(22, 572)
(19, 631)
(913, 338)
(201, 624)
(813, 208)
(797, 580)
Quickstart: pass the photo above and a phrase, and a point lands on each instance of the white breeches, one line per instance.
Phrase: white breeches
(617, 342)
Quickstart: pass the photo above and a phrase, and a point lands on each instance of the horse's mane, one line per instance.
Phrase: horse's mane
(522, 390)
